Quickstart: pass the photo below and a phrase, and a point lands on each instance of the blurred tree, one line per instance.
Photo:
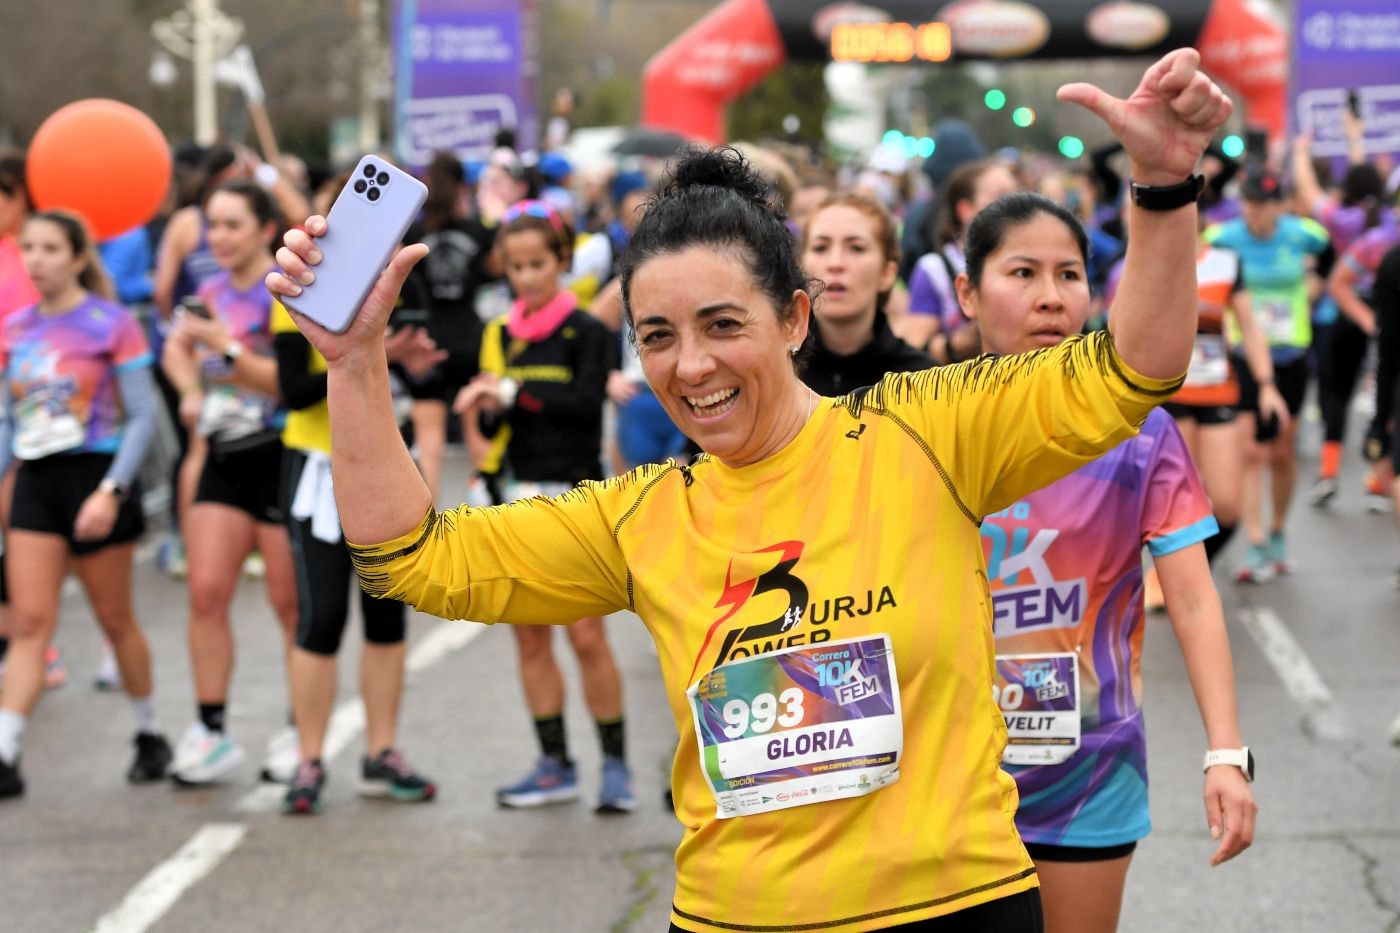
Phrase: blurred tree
(796, 88)
(957, 90)
(599, 49)
(50, 62)
(949, 90)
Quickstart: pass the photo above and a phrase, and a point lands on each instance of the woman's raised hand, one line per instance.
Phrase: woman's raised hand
(1164, 125)
(296, 259)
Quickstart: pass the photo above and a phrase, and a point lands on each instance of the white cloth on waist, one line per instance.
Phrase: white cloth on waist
(315, 498)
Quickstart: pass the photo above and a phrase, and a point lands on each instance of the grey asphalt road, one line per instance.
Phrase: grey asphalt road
(79, 845)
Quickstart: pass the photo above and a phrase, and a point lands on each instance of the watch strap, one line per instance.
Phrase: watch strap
(233, 351)
(1168, 197)
(1233, 757)
(114, 488)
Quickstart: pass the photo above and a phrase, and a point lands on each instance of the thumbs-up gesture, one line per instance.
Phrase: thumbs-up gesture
(1164, 125)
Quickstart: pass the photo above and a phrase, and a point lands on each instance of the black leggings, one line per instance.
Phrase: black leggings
(324, 578)
(1018, 913)
(171, 397)
(1339, 366)
(1380, 438)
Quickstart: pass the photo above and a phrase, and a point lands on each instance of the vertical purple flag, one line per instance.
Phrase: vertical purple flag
(1340, 46)
(464, 70)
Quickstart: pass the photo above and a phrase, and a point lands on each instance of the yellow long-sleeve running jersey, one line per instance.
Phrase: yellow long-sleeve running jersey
(824, 629)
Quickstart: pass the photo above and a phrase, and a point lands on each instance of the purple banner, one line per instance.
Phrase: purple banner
(465, 69)
(1340, 46)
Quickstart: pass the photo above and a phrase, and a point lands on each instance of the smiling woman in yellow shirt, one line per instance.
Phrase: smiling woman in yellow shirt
(814, 582)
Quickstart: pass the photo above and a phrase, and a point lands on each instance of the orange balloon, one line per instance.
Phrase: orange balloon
(102, 159)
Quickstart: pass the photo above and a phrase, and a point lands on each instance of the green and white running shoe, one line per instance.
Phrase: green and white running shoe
(1278, 556)
(203, 757)
(1257, 566)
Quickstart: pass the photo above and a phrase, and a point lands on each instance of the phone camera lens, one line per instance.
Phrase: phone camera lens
(369, 171)
(383, 178)
(373, 194)
(360, 186)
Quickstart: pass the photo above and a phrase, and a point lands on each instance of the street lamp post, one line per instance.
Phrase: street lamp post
(373, 65)
(202, 35)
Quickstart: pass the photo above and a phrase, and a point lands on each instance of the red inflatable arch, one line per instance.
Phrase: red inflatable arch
(688, 85)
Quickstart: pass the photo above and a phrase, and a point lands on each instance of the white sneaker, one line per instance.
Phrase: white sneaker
(203, 757)
(282, 756)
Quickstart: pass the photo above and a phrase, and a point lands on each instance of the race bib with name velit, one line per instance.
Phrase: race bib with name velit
(1039, 699)
(806, 725)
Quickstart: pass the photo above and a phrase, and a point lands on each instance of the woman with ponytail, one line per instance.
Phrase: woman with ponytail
(540, 395)
(78, 418)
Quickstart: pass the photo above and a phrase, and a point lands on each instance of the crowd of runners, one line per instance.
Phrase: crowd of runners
(757, 345)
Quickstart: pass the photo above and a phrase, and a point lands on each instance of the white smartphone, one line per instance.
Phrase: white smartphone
(365, 226)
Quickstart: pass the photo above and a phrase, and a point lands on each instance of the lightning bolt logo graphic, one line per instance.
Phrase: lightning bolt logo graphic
(736, 595)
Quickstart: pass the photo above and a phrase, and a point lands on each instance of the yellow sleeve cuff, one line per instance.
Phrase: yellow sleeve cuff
(1136, 381)
(370, 559)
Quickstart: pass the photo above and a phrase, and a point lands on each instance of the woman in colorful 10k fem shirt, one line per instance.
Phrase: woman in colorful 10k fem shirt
(220, 359)
(840, 749)
(1065, 568)
(78, 416)
(1278, 253)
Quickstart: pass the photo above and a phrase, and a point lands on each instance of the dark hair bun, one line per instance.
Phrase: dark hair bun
(719, 168)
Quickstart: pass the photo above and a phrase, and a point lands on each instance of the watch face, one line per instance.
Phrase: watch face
(1249, 763)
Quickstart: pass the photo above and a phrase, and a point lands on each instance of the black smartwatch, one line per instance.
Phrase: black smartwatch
(113, 488)
(1168, 197)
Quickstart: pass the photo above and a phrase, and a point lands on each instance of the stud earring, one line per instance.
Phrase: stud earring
(792, 350)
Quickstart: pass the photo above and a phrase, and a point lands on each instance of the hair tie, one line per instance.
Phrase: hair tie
(534, 208)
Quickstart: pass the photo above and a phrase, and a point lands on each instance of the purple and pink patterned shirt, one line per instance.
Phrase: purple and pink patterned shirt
(1066, 574)
(62, 373)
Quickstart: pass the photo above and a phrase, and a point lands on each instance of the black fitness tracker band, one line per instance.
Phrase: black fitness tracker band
(1168, 197)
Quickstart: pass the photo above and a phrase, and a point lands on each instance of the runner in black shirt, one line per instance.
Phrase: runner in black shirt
(850, 242)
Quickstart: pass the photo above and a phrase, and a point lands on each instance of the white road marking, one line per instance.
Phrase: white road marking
(156, 893)
(1323, 717)
(348, 720)
(346, 723)
(441, 641)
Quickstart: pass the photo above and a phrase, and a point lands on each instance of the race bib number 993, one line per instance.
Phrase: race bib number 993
(820, 722)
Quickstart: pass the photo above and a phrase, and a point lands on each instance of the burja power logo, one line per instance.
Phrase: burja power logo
(804, 620)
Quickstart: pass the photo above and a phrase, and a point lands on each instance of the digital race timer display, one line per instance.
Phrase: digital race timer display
(891, 42)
